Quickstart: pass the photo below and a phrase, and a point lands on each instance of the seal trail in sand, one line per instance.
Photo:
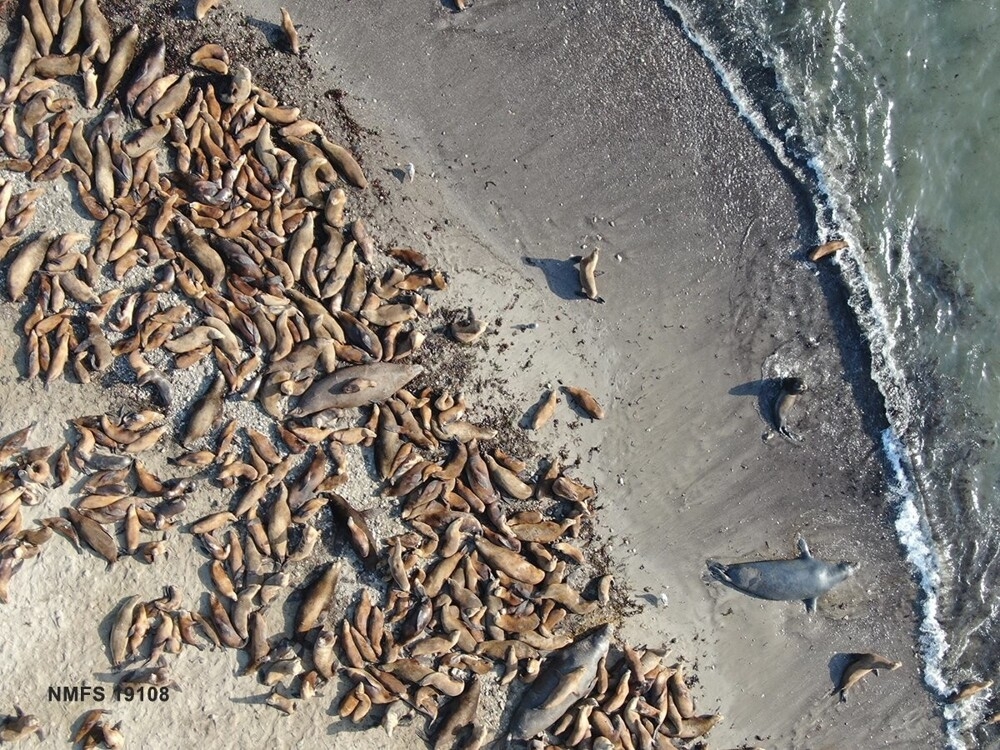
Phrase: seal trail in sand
(804, 577)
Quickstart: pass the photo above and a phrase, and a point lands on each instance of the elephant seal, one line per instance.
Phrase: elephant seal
(329, 393)
(569, 675)
(804, 577)
(791, 388)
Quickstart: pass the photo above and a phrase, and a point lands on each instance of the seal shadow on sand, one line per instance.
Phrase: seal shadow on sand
(397, 172)
(766, 390)
(272, 32)
(561, 275)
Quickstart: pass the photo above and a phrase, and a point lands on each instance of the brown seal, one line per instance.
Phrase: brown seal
(19, 726)
(859, 666)
(588, 283)
(827, 248)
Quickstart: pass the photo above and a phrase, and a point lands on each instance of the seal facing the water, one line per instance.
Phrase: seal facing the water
(804, 577)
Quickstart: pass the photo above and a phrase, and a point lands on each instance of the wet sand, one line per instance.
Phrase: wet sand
(535, 134)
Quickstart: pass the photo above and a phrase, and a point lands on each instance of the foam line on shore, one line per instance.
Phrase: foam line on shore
(915, 536)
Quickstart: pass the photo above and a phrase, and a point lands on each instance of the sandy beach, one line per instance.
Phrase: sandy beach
(537, 133)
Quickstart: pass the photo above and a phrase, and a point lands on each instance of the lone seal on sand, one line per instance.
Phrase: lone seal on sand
(804, 577)
(588, 282)
(791, 388)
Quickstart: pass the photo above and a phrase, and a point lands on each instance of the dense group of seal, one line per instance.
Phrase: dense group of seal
(222, 216)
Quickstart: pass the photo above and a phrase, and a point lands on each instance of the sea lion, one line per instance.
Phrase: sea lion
(118, 638)
(20, 725)
(585, 401)
(791, 388)
(859, 666)
(804, 577)
(316, 598)
(206, 412)
(469, 330)
(968, 689)
(588, 284)
(461, 713)
(827, 248)
(544, 411)
(291, 35)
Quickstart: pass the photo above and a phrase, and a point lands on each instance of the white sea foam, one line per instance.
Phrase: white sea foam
(737, 92)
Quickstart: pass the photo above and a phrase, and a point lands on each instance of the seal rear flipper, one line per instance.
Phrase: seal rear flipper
(789, 435)
(719, 571)
(810, 605)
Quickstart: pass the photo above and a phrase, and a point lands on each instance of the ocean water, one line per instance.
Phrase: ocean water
(888, 113)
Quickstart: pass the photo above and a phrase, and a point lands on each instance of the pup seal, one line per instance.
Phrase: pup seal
(804, 577)
(19, 726)
(791, 389)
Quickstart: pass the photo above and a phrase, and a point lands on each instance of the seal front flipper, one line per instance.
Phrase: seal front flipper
(804, 552)
(599, 300)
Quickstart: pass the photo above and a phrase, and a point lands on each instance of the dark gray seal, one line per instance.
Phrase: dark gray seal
(567, 676)
(791, 389)
(804, 577)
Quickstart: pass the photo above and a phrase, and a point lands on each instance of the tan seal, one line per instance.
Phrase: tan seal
(859, 666)
(968, 689)
(827, 248)
(588, 267)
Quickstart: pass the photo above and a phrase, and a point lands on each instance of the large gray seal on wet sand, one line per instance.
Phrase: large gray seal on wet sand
(803, 577)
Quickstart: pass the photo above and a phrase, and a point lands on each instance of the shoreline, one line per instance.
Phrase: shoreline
(872, 525)
(680, 332)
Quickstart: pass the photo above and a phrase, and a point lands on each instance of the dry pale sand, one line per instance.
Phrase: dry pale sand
(536, 132)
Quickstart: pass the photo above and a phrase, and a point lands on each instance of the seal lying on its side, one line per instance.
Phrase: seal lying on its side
(804, 577)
